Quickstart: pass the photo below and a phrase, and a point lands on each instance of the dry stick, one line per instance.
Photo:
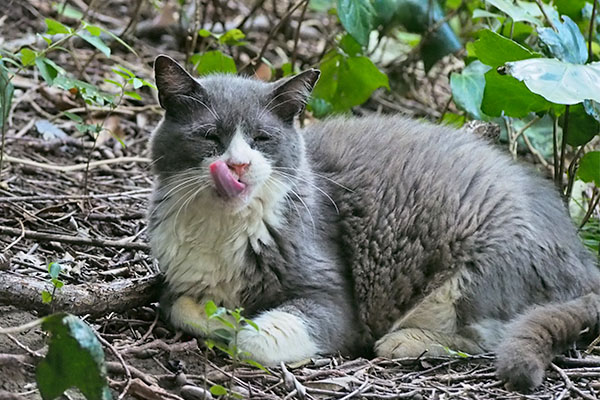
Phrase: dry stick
(38, 199)
(297, 35)
(541, 7)
(534, 151)
(121, 360)
(555, 147)
(272, 34)
(593, 204)
(255, 7)
(74, 239)
(563, 148)
(591, 34)
(76, 167)
(569, 383)
(571, 171)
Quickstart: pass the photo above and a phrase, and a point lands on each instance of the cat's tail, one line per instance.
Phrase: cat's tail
(532, 340)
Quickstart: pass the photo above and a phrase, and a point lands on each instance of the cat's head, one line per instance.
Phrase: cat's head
(227, 136)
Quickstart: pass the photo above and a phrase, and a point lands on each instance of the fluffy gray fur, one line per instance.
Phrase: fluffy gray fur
(400, 236)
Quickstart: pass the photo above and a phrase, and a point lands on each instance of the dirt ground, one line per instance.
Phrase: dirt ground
(94, 225)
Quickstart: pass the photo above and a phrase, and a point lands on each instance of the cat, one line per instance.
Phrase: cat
(360, 236)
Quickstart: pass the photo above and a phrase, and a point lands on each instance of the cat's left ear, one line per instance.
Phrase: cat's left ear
(173, 80)
(290, 95)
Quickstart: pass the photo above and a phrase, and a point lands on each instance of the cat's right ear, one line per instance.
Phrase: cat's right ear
(172, 80)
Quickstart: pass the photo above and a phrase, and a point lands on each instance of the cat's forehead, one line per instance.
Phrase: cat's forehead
(236, 94)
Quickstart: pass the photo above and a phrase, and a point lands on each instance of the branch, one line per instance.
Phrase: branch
(95, 299)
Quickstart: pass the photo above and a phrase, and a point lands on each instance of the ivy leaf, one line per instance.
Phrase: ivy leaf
(357, 18)
(213, 62)
(589, 167)
(558, 81)
(504, 94)
(582, 126)
(568, 44)
(468, 87)
(218, 390)
(54, 27)
(75, 359)
(96, 42)
(494, 50)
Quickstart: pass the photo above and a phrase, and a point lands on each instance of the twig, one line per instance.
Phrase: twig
(42, 198)
(591, 34)
(541, 6)
(76, 167)
(255, 7)
(563, 148)
(534, 151)
(569, 383)
(95, 242)
(121, 360)
(22, 328)
(17, 240)
(272, 34)
(297, 35)
(572, 171)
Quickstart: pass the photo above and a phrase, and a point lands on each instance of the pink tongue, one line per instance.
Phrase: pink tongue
(227, 185)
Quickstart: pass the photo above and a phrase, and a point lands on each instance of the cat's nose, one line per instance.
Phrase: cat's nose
(239, 169)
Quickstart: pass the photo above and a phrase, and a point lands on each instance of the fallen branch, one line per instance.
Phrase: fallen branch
(95, 299)
(74, 239)
(76, 167)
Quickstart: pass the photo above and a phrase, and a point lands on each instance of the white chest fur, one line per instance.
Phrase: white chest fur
(202, 249)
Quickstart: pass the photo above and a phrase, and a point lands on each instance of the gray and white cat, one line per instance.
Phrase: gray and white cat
(358, 235)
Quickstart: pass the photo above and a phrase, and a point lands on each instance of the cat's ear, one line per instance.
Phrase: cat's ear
(290, 95)
(172, 80)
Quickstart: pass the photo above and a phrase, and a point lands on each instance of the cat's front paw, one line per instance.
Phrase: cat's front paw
(281, 337)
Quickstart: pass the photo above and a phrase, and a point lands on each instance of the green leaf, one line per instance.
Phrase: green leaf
(582, 126)
(54, 27)
(96, 42)
(210, 308)
(223, 321)
(47, 69)
(121, 41)
(589, 168)
(468, 87)
(592, 108)
(27, 56)
(572, 8)
(567, 44)
(504, 94)
(213, 62)
(495, 50)
(118, 84)
(350, 46)
(57, 284)
(218, 390)
(357, 18)
(72, 117)
(54, 269)
(46, 297)
(74, 359)
(516, 11)
(256, 364)
(133, 95)
(454, 120)
(67, 11)
(93, 30)
(252, 324)
(558, 81)
(6, 93)
(232, 37)
(204, 33)
(137, 83)
(347, 82)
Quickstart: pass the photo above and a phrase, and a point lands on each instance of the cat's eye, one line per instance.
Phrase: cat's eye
(212, 137)
(261, 138)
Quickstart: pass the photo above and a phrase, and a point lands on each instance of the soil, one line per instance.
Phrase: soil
(108, 203)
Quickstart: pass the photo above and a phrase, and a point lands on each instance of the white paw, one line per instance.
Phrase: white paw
(281, 337)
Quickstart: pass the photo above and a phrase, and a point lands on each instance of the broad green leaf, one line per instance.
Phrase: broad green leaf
(72, 117)
(558, 81)
(286, 69)
(210, 308)
(137, 83)
(479, 13)
(357, 18)
(350, 46)
(213, 62)
(504, 94)
(75, 359)
(495, 50)
(516, 11)
(218, 390)
(46, 297)
(252, 324)
(96, 42)
(54, 27)
(589, 167)
(321, 5)
(454, 120)
(27, 56)
(567, 44)
(57, 284)
(54, 269)
(347, 81)
(467, 88)
(582, 127)
(572, 8)
(204, 33)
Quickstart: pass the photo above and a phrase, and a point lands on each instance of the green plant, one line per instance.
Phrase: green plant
(54, 269)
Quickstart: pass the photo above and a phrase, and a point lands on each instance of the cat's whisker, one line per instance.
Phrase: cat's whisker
(318, 175)
(308, 182)
(211, 110)
(290, 190)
